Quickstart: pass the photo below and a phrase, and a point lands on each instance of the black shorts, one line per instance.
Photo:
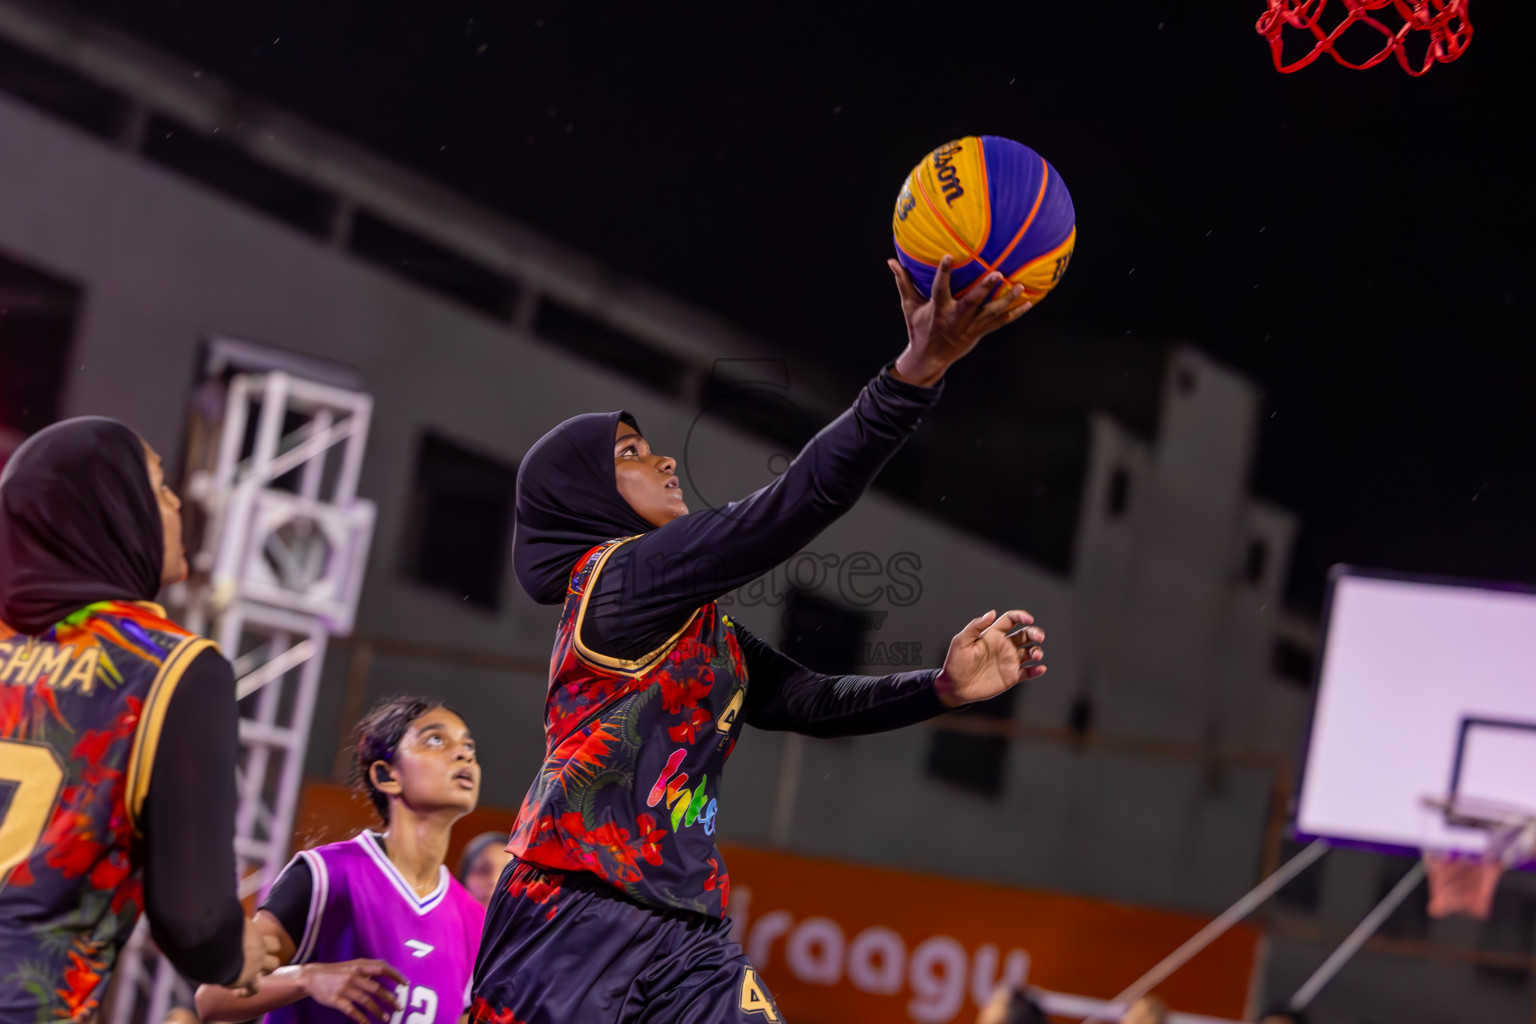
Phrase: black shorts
(564, 948)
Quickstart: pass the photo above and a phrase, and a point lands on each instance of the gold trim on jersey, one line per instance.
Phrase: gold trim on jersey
(146, 739)
(636, 666)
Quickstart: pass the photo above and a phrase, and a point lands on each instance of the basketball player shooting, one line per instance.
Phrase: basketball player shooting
(613, 908)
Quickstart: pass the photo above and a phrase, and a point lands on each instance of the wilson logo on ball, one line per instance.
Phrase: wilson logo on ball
(991, 204)
(944, 170)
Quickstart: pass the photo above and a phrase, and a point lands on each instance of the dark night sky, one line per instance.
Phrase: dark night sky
(1356, 241)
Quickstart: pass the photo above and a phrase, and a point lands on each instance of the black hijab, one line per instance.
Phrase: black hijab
(79, 523)
(568, 502)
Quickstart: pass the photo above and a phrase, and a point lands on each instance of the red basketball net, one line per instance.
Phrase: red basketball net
(1444, 20)
(1461, 885)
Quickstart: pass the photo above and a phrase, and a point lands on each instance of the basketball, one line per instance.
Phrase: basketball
(991, 204)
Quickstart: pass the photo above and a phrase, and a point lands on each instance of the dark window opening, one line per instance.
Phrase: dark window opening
(64, 93)
(1293, 662)
(1119, 492)
(37, 327)
(1080, 717)
(1255, 559)
(430, 265)
(459, 531)
(612, 348)
(226, 168)
(975, 760)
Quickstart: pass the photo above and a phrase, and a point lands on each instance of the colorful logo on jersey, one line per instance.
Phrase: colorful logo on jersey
(687, 805)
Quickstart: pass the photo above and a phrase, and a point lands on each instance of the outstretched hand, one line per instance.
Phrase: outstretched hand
(984, 661)
(942, 329)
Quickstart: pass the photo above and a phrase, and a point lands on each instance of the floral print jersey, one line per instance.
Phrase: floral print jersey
(80, 713)
(629, 787)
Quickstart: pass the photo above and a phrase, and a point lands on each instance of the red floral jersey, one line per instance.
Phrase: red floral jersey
(629, 787)
(80, 713)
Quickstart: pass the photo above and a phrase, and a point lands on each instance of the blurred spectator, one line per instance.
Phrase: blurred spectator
(1011, 1006)
(1283, 1014)
(1146, 1010)
(481, 863)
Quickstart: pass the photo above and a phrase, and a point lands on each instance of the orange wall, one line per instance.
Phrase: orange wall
(845, 944)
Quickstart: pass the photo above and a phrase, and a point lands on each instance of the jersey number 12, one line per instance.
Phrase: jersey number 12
(417, 1005)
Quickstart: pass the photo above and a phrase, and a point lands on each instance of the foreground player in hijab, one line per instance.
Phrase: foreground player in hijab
(613, 908)
(117, 734)
(376, 927)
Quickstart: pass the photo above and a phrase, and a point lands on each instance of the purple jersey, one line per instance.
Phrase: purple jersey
(361, 906)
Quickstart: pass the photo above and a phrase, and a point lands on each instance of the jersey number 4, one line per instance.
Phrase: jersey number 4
(754, 999)
(30, 780)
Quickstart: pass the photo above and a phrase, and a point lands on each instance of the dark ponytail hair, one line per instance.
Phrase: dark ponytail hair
(378, 738)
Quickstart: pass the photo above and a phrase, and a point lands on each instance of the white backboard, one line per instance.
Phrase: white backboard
(1426, 688)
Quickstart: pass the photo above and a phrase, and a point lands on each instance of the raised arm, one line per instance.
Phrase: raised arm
(651, 584)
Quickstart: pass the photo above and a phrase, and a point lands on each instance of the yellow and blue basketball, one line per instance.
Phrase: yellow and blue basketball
(991, 204)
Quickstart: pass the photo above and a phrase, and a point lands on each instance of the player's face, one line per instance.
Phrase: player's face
(436, 764)
(647, 481)
(483, 874)
(174, 565)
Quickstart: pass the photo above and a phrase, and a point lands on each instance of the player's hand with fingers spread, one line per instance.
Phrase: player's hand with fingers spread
(984, 661)
(357, 988)
(942, 329)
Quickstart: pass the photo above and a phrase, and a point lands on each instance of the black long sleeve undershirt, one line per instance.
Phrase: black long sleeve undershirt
(189, 828)
(649, 587)
(784, 695)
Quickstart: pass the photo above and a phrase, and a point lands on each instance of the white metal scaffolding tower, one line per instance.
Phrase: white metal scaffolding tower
(283, 556)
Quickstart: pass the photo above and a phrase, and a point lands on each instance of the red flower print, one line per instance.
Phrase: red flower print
(132, 891)
(482, 1012)
(75, 854)
(92, 748)
(686, 694)
(537, 886)
(13, 710)
(714, 869)
(80, 982)
(650, 839)
(110, 872)
(687, 731)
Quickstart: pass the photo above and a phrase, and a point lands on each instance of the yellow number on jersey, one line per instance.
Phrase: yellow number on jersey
(34, 777)
(754, 999)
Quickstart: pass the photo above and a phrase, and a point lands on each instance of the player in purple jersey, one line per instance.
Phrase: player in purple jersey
(614, 907)
(376, 927)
